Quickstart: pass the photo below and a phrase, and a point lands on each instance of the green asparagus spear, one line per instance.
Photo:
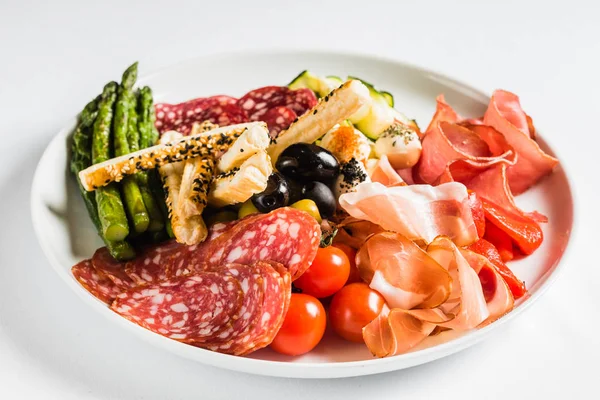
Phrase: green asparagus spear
(141, 178)
(132, 195)
(156, 186)
(81, 158)
(148, 136)
(108, 199)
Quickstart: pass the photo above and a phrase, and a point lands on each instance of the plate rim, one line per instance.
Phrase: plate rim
(305, 369)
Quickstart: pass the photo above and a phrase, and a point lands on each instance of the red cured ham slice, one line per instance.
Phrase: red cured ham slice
(106, 265)
(419, 212)
(355, 232)
(477, 148)
(278, 119)
(395, 332)
(189, 309)
(479, 296)
(496, 290)
(403, 273)
(443, 112)
(95, 282)
(467, 301)
(257, 102)
(286, 235)
(506, 116)
(384, 173)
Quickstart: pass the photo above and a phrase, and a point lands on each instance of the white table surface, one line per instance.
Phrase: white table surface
(54, 56)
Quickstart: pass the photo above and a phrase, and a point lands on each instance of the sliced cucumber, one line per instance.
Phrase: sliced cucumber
(321, 86)
(388, 97)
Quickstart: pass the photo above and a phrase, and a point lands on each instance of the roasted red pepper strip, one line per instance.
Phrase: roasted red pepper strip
(488, 250)
(525, 232)
(478, 213)
(500, 240)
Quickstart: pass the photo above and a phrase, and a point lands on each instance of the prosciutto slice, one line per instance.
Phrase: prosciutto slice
(384, 173)
(478, 297)
(447, 143)
(418, 212)
(406, 276)
(507, 117)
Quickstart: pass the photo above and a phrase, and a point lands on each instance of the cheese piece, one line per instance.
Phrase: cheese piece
(332, 109)
(252, 141)
(346, 143)
(238, 185)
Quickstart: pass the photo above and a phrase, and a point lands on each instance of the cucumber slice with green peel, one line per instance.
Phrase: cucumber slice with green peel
(321, 86)
(388, 97)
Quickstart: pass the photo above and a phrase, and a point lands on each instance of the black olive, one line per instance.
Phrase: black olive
(296, 190)
(322, 196)
(276, 195)
(308, 162)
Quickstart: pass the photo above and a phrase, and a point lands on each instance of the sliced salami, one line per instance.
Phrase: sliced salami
(259, 101)
(222, 110)
(231, 339)
(106, 265)
(95, 282)
(286, 235)
(279, 119)
(189, 309)
(159, 263)
(277, 288)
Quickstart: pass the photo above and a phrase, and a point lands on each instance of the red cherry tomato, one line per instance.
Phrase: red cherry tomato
(351, 254)
(303, 327)
(327, 274)
(352, 308)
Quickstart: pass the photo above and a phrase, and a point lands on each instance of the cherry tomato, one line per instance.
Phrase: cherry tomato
(303, 327)
(352, 308)
(327, 274)
(351, 254)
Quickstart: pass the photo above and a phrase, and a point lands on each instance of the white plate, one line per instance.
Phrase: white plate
(67, 235)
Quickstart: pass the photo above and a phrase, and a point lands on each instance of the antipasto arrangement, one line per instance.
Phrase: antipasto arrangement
(230, 223)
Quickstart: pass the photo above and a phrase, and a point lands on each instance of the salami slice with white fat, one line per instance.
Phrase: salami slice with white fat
(222, 110)
(286, 235)
(277, 288)
(158, 263)
(259, 101)
(106, 265)
(95, 282)
(189, 309)
(279, 119)
(232, 337)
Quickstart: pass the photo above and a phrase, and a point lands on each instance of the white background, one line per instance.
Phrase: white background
(55, 56)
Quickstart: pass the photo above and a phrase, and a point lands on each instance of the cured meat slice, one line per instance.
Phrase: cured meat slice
(189, 309)
(279, 119)
(95, 282)
(235, 336)
(181, 117)
(106, 265)
(158, 263)
(286, 235)
(419, 212)
(259, 101)
(406, 276)
(277, 289)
